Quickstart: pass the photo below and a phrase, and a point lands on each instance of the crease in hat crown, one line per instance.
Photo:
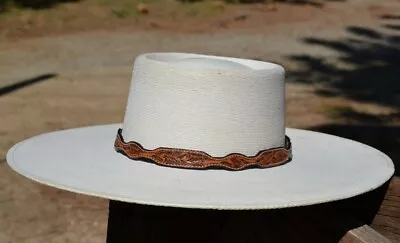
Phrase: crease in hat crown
(219, 105)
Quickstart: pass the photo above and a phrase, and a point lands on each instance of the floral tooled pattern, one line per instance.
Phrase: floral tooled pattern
(185, 158)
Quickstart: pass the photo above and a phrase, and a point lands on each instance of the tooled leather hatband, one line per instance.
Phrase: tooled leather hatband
(185, 158)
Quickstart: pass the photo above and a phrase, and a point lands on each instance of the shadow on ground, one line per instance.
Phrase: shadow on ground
(366, 70)
(33, 4)
(390, 17)
(25, 83)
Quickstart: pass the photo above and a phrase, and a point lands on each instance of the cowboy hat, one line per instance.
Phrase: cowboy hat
(203, 131)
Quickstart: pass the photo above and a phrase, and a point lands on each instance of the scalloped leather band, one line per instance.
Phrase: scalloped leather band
(185, 158)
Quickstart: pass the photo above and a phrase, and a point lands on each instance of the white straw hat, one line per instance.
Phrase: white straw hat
(225, 116)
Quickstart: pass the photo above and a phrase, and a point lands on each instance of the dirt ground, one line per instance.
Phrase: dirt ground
(342, 75)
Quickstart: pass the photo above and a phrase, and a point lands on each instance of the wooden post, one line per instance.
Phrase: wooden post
(342, 221)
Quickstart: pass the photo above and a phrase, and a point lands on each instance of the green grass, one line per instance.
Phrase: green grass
(120, 13)
(17, 21)
(119, 8)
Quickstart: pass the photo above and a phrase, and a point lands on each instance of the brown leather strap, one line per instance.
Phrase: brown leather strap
(184, 158)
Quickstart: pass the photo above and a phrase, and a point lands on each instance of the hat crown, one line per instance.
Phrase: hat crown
(207, 63)
(218, 105)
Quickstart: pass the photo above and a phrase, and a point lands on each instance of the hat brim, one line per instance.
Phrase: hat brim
(324, 168)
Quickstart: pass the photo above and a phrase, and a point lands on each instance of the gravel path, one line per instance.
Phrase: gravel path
(91, 77)
(99, 51)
